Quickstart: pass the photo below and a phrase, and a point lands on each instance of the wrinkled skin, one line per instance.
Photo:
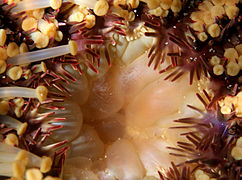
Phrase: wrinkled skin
(127, 113)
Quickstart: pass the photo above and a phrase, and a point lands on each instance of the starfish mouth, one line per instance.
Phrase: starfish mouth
(126, 120)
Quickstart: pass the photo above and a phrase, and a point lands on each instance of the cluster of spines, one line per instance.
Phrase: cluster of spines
(176, 39)
(26, 131)
(176, 173)
(209, 143)
(28, 72)
(99, 37)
